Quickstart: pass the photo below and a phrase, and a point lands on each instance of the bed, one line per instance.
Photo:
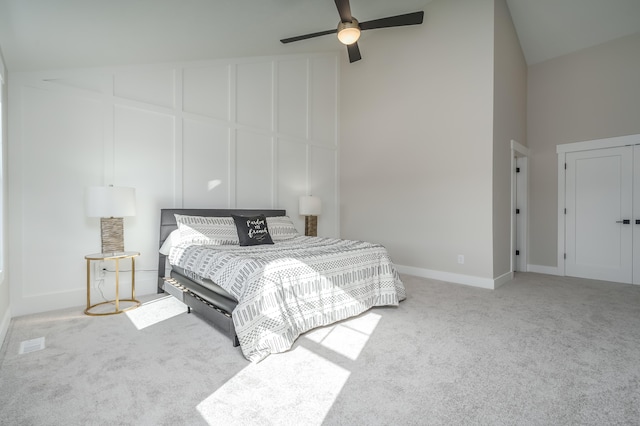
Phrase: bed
(264, 294)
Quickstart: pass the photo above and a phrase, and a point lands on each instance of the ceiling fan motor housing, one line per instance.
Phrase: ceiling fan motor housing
(349, 28)
(349, 32)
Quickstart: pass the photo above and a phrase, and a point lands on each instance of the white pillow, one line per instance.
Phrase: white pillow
(281, 228)
(207, 230)
(172, 240)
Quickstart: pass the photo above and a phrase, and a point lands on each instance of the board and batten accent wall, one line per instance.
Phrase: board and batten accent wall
(238, 133)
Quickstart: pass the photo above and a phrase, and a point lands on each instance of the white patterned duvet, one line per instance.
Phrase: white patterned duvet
(293, 286)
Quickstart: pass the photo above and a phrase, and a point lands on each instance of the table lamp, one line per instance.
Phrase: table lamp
(310, 207)
(111, 204)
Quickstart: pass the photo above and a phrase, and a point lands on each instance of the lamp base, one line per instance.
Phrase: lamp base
(311, 226)
(112, 234)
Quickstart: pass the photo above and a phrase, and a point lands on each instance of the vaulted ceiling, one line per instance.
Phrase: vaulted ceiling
(552, 28)
(45, 34)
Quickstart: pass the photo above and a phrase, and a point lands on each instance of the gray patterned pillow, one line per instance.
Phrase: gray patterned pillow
(281, 228)
(207, 230)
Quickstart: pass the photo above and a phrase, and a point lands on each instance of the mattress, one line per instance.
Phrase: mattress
(290, 287)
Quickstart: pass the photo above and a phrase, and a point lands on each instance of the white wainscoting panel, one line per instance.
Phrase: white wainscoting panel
(152, 85)
(143, 146)
(292, 178)
(254, 170)
(52, 171)
(95, 82)
(324, 184)
(206, 180)
(236, 133)
(292, 97)
(324, 100)
(254, 87)
(206, 91)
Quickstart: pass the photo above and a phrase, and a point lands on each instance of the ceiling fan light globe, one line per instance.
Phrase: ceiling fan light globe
(348, 32)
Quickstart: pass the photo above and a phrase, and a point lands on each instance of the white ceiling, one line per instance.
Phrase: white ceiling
(551, 28)
(46, 34)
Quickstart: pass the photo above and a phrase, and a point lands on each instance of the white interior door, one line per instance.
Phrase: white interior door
(635, 222)
(599, 229)
(522, 208)
(515, 244)
(519, 205)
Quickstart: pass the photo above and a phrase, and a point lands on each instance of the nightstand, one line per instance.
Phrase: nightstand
(116, 257)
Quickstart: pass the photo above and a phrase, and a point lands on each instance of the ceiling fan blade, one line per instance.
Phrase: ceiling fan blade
(344, 9)
(414, 18)
(354, 52)
(306, 36)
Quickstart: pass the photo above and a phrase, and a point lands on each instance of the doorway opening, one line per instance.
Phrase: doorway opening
(519, 206)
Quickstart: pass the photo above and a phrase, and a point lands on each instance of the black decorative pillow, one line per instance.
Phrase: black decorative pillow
(252, 230)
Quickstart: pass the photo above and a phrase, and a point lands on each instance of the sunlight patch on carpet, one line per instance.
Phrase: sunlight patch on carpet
(347, 338)
(297, 381)
(155, 311)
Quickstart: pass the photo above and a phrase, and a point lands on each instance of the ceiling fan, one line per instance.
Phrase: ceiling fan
(349, 28)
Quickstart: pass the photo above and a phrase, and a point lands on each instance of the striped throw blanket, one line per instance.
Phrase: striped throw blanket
(293, 286)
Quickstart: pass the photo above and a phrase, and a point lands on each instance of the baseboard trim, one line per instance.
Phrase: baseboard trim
(541, 269)
(470, 280)
(502, 279)
(4, 326)
(146, 283)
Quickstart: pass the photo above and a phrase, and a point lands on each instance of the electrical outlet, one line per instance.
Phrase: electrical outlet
(99, 270)
(461, 259)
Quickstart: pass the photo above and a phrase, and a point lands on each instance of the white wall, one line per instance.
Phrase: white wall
(587, 95)
(246, 133)
(5, 307)
(510, 112)
(417, 142)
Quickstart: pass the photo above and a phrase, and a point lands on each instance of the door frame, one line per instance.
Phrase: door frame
(562, 151)
(519, 199)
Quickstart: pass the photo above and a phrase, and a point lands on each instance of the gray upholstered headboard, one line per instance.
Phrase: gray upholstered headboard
(168, 224)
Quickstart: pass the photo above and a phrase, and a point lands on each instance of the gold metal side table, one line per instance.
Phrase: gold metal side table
(117, 257)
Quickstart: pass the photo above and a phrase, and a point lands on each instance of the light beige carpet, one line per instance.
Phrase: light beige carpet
(541, 350)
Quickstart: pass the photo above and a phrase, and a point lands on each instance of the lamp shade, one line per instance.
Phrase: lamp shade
(310, 205)
(110, 201)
